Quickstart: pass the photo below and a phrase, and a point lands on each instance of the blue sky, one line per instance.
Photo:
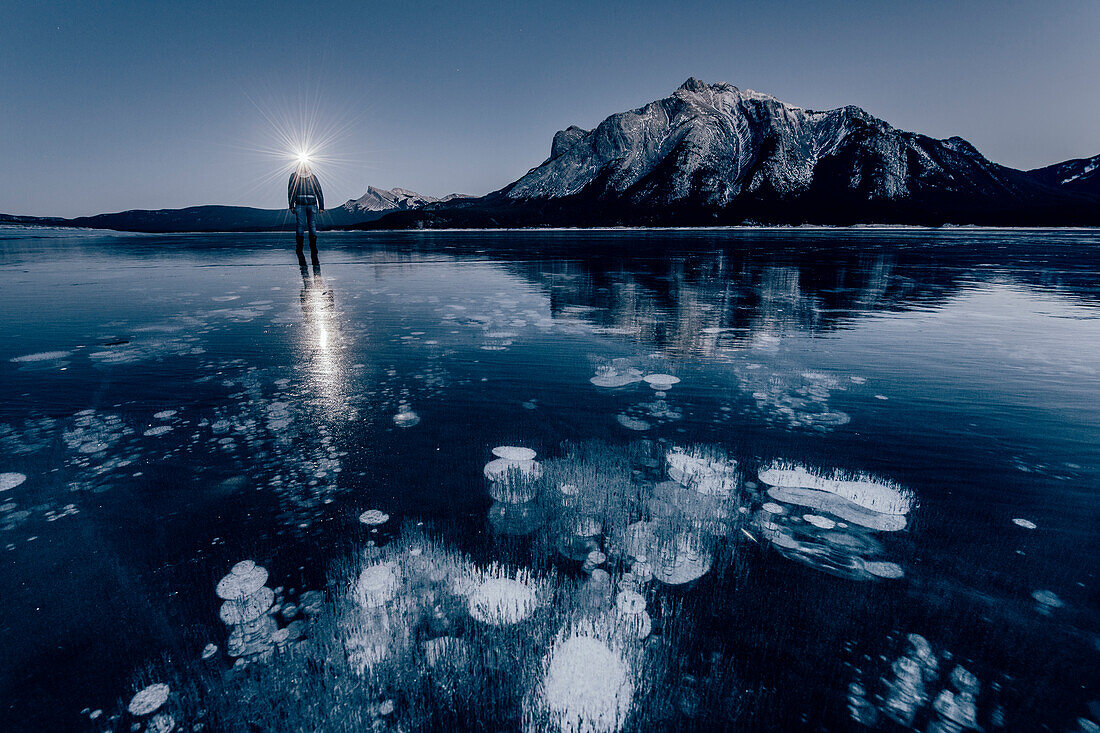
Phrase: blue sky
(118, 105)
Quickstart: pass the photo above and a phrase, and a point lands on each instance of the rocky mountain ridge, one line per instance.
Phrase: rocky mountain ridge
(717, 154)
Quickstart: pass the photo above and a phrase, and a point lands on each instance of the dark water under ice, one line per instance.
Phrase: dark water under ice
(178, 403)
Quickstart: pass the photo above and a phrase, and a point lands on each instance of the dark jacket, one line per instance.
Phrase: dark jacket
(304, 186)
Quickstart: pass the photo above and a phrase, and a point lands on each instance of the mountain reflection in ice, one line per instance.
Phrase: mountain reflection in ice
(559, 481)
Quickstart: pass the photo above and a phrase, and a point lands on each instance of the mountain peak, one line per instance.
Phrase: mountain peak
(693, 85)
(394, 199)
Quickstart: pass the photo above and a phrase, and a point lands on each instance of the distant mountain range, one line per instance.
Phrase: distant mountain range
(373, 204)
(711, 154)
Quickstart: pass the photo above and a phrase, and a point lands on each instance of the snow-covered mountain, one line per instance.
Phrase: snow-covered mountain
(395, 199)
(1081, 174)
(714, 153)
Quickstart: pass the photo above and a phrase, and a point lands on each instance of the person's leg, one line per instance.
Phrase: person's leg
(313, 214)
(300, 234)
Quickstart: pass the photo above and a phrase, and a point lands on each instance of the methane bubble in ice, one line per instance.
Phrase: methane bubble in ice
(819, 521)
(587, 687)
(149, 699)
(164, 414)
(374, 517)
(501, 469)
(632, 613)
(406, 418)
(838, 506)
(680, 561)
(247, 609)
(41, 357)
(712, 477)
(612, 378)
(11, 480)
(1025, 523)
(514, 453)
(883, 569)
(376, 585)
(513, 480)
(632, 423)
(502, 601)
(244, 579)
(870, 493)
(1047, 599)
(158, 430)
(661, 382)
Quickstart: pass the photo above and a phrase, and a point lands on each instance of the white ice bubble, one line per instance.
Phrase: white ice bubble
(165, 414)
(11, 480)
(374, 517)
(1025, 523)
(514, 453)
(406, 418)
(245, 579)
(248, 608)
(819, 521)
(501, 468)
(502, 601)
(587, 687)
(149, 699)
(680, 561)
(629, 601)
(877, 495)
(611, 378)
(1047, 599)
(883, 569)
(661, 381)
(712, 477)
(772, 508)
(632, 423)
(838, 506)
(376, 585)
(42, 356)
(158, 430)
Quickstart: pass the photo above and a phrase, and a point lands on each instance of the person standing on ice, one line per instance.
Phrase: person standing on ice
(306, 201)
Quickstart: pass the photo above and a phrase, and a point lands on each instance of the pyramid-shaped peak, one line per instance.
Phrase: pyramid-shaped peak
(693, 85)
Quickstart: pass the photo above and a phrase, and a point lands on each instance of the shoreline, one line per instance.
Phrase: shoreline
(5, 226)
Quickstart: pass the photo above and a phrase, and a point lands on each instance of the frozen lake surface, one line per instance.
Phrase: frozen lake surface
(636, 480)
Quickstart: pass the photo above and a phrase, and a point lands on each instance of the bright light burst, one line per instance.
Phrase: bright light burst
(303, 131)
